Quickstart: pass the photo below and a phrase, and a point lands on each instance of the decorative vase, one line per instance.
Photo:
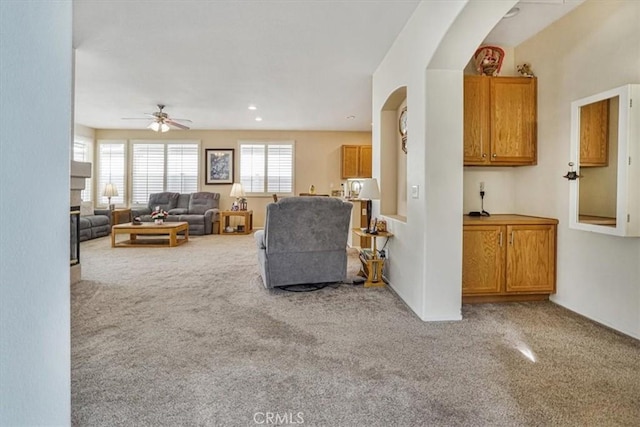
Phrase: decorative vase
(159, 221)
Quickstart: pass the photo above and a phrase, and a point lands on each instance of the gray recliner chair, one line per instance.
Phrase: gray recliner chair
(304, 241)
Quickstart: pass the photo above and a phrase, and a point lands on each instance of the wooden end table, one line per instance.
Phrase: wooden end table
(117, 214)
(372, 264)
(247, 224)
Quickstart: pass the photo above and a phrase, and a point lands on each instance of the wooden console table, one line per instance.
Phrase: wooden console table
(372, 265)
(247, 225)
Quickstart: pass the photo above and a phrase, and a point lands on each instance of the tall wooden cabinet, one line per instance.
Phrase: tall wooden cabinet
(500, 121)
(356, 161)
(508, 258)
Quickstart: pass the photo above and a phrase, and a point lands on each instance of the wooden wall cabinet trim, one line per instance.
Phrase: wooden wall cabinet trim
(508, 258)
(500, 121)
(356, 161)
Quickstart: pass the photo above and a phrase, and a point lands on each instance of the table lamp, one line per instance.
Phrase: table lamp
(110, 190)
(369, 191)
(238, 192)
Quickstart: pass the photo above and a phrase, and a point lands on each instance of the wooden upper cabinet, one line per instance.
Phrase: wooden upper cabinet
(594, 134)
(476, 120)
(531, 258)
(500, 121)
(356, 161)
(364, 167)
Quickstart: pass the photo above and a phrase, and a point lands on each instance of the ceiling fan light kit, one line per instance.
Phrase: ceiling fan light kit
(162, 122)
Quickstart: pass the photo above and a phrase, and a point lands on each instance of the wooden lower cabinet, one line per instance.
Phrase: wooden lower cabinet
(508, 258)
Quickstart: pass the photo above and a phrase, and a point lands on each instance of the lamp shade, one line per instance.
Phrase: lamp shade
(236, 190)
(110, 190)
(155, 126)
(370, 190)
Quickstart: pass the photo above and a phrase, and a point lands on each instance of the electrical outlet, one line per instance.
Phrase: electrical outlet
(481, 185)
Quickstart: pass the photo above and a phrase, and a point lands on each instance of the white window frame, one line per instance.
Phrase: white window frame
(266, 144)
(165, 143)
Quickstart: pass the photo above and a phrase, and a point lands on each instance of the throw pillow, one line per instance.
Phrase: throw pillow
(86, 208)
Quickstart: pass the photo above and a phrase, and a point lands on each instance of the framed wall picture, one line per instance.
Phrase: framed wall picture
(218, 166)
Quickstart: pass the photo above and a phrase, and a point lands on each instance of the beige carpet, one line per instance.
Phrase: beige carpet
(188, 336)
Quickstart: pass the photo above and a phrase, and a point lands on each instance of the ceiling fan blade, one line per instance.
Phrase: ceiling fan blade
(136, 118)
(178, 125)
(181, 120)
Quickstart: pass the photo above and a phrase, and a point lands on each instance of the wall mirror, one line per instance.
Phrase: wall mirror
(605, 147)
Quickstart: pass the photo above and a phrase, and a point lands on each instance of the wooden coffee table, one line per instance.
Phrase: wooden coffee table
(169, 229)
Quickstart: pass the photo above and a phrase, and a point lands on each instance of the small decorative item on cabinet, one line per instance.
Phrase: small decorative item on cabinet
(381, 225)
(525, 70)
(488, 60)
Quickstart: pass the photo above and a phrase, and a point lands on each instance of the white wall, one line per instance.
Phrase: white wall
(84, 132)
(35, 124)
(594, 48)
(425, 254)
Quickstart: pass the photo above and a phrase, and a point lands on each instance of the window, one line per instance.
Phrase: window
(111, 169)
(83, 152)
(158, 166)
(267, 167)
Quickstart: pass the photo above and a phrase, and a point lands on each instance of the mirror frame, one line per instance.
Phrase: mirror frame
(628, 162)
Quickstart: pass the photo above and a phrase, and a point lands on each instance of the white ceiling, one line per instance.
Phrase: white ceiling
(305, 64)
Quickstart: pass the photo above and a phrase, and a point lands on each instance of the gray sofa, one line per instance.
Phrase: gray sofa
(200, 210)
(96, 224)
(304, 241)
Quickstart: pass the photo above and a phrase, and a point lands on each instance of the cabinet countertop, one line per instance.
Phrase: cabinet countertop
(506, 219)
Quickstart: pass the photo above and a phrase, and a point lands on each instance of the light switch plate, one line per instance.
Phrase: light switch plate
(415, 191)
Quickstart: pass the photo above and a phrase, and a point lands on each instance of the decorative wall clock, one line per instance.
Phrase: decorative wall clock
(402, 128)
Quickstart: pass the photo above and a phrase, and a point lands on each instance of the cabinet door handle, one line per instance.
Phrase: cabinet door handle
(500, 239)
(494, 155)
(484, 155)
(512, 239)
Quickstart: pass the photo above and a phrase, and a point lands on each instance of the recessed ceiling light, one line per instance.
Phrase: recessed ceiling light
(252, 107)
(258, 119)
(512, 12)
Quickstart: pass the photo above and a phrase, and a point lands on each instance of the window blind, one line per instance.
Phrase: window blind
(111, 169)
(267, 167)
(163, 166)
(182, 168)
(147, 171)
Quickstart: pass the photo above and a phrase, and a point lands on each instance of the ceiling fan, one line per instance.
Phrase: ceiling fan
(161, 121)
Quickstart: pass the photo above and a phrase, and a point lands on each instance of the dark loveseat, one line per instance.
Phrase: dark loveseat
(200, 210)
(93, 222)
